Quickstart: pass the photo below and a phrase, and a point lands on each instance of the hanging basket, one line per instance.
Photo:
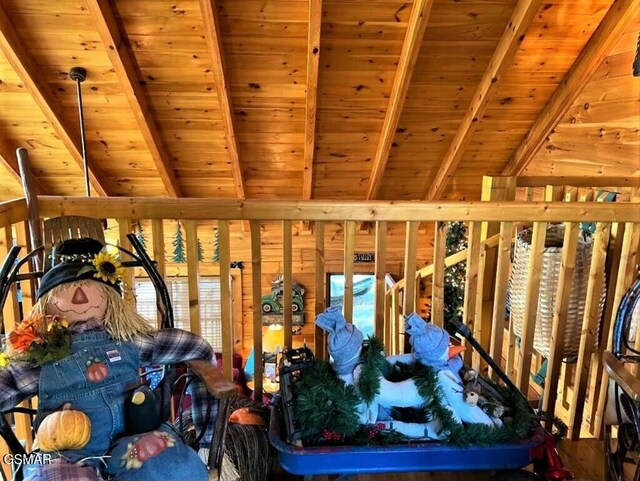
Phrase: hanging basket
(550, 272)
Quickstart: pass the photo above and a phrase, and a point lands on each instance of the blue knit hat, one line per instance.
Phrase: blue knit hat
(429, 342)
(345, 340)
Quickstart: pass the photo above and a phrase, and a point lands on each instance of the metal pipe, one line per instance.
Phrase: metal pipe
(79, 75)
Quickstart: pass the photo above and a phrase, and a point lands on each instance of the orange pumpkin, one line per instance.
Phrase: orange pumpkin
(66, 429)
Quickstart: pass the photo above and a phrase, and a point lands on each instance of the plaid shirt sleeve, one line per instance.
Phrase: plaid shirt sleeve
(18, 381)
(169, 346)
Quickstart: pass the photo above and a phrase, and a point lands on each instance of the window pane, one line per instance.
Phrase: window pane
(364, 301)
(210, 316)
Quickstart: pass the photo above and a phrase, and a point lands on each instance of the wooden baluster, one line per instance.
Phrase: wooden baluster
(256, 294)
(191, 234)
(124, 228)
(471, 283)
(380, 273)
(23, 421)
(287, 289)
(493, 189)
(157, 228)
(224, 249)
(531, 305)
(410, 267)
(349, 249)
(437, 293)
(320, 293)
(500, 294)
(589, 327)
(560, 311)
(625, 274)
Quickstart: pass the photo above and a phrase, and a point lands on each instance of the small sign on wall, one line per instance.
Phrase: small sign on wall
(364, 257)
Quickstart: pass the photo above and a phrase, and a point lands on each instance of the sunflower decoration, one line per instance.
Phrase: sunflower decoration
(105, 267)
(108, 268)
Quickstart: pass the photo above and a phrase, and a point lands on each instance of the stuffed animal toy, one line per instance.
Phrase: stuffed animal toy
(82, 347)
(430, 348)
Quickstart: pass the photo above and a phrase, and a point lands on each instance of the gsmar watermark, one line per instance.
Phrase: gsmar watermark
(32, 458)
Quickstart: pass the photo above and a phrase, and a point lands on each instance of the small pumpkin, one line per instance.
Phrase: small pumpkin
(65, 429)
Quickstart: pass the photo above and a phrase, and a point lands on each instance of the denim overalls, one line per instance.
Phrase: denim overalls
(96, 379)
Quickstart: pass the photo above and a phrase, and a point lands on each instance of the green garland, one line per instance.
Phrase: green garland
(326, 405)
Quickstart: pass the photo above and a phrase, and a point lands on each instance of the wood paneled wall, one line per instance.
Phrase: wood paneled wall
(303, 260)
(600, 134)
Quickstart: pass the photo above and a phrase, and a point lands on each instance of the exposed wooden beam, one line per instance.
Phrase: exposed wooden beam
(24, 66)
(612, 26)
(313, 58)
(127, 72)
(503, 56)
(408, 57)
(214, 45)
(369, 211)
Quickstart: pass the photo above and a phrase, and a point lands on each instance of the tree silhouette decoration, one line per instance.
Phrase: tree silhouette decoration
(178, 246)
(454, 276)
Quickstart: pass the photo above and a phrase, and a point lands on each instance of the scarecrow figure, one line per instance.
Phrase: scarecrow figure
(80, 351)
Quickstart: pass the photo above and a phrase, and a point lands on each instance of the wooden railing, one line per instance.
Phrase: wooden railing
(575, 392)
(490, 222)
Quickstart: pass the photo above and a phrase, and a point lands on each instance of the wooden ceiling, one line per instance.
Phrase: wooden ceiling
(328, 99)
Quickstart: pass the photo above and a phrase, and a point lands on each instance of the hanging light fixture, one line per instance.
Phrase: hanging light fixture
(79, 75)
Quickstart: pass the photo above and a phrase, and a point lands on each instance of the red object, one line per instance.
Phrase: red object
(547, 462)
(97, 371)
(149, 446)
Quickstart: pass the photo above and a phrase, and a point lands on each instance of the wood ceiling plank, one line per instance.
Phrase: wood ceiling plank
(24, 66)
(127, 73)
(408, 56)
(313, 59)
(612, 26)
(503, 56)
(214, 45)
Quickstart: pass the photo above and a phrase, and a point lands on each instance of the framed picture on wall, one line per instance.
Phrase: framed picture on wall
(364, 301)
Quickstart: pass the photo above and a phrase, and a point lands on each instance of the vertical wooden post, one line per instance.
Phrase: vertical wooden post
(560, 311)
(157, 228)
(395, 321)
(320, 338)
(124, 228)
(493, 189)
(471, 282)
(349, 249)
(256, 294)
(531, 305)
(410, 267)
(437, 293)
(224, 248)
(387, 321)
(11, 311)
(622, 282)
(30, 195)
(380, 271)
(611, 267)
(191, 233)
(589, 327)
(23, 421)
(500, 294)
(287, 289)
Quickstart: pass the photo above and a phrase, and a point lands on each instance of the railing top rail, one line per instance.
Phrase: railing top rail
(13, 211)
(317, 210)
(594, 182)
